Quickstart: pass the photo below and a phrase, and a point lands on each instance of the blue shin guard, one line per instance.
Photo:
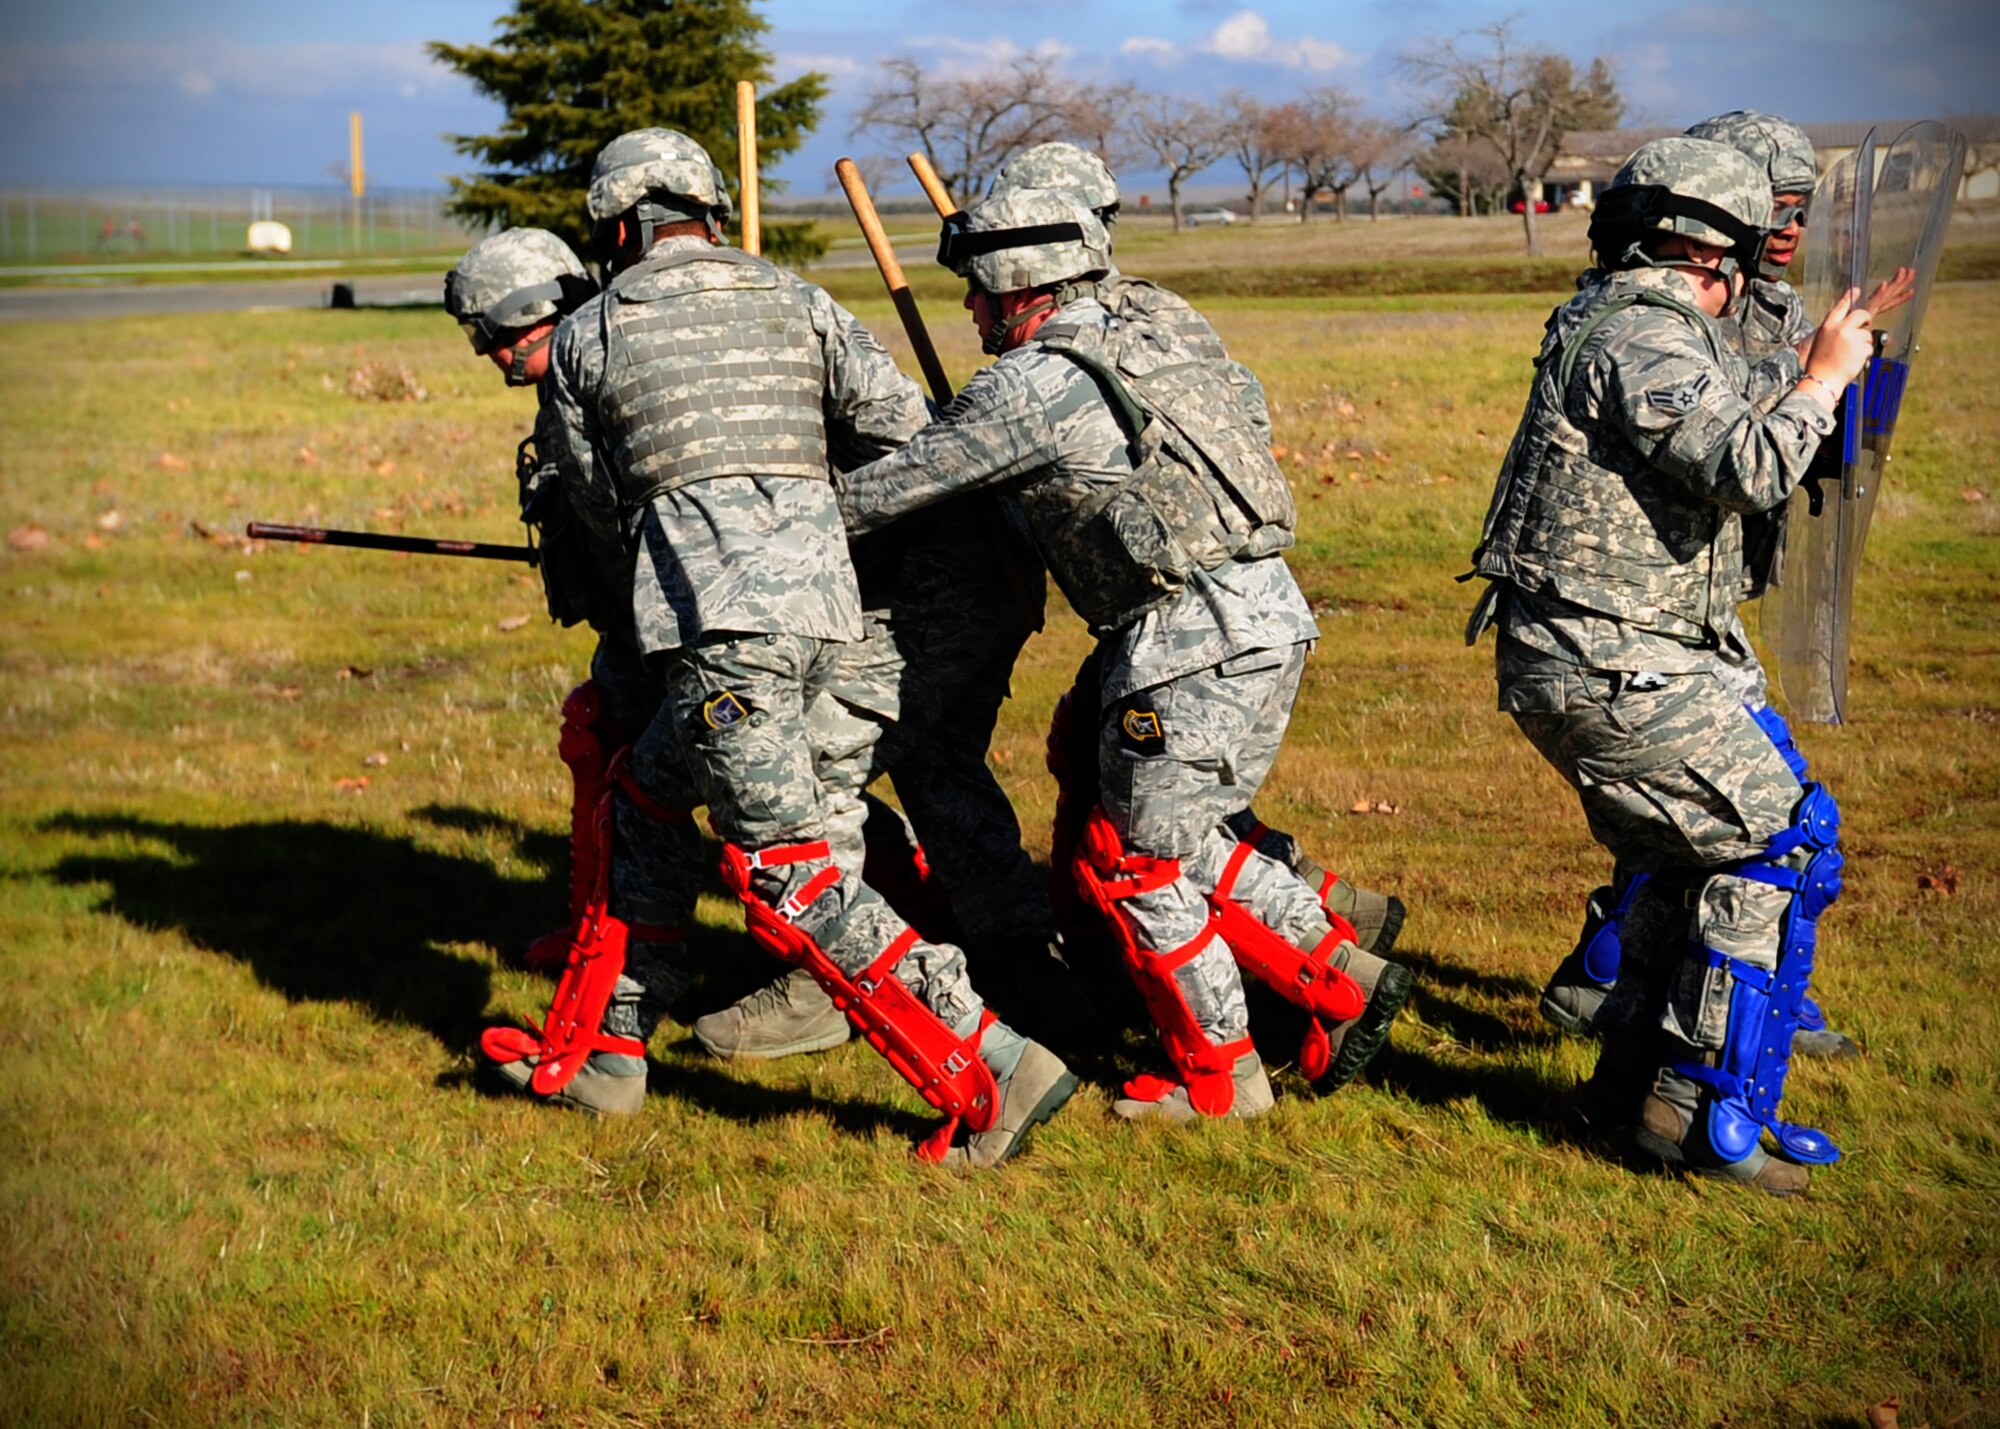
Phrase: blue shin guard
(1603, 947)
(1764, 1007)
(1811, 1019)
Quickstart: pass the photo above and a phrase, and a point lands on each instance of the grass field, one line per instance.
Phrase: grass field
(248, 1177)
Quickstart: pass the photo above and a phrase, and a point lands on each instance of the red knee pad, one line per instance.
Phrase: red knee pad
(943, 1067)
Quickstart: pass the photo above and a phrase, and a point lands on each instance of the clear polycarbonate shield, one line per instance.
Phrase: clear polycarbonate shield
(1801, 615)
(1893, 261)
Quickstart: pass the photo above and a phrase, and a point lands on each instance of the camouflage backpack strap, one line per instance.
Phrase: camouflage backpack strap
(1131, 415)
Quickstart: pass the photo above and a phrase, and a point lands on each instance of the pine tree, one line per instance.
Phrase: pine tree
(575, 74)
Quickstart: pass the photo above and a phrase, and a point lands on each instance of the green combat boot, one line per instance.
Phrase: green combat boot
(783, 1018)
(1387, 987)
(1377, 917)
(1671, 1127)
(1032, 1091)
(1253, 1097)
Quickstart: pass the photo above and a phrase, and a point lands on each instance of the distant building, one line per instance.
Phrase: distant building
(1589, 157)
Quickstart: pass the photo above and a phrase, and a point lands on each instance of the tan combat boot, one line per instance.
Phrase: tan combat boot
(783, 1018)
(1377, 917)
(611, 1091)
(1029, 1095)
(1355, 1042)
(1675, 1136)
(1253, 1097)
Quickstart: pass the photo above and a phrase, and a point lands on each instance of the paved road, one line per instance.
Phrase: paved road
(67, 304)
(72, 302)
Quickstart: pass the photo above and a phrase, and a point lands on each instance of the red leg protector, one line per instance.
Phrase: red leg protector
(1302, 978)
(596, 958)
(1106, 875)
(591, 744)
(944, 1068)
(1072, 759)
(1327, 879)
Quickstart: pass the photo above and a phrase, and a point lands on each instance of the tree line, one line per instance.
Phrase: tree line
(571, 75)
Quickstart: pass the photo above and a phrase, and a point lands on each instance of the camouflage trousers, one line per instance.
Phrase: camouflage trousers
(956, 674)
(779, 735)
(1677, 781)
(1175, 763)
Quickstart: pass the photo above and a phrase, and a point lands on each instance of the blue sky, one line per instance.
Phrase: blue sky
(226, 91)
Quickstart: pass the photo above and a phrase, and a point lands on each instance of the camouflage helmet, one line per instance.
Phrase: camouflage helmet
(1777, 146)
(1693, 187)
(661, 164)
(1024, 238)
(513, 280)
(1070, 168)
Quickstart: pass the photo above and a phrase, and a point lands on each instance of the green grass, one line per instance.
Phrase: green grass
(247, 1176)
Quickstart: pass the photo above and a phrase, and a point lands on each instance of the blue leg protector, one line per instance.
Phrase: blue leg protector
(1811, 1019)
(1764, 1006)
(1604, 946)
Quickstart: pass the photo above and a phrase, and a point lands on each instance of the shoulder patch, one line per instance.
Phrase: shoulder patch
(1680, 401)
(1140, 731)
(723, 709)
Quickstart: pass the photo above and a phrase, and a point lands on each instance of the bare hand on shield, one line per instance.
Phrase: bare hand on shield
(1842, 346)
(1893, 292)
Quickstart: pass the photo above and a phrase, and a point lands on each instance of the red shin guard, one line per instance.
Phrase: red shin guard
(1305, 979)
(943, 1067)
(1106, 875)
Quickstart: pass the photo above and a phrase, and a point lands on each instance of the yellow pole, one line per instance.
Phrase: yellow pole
(746, 159)
(357, 181)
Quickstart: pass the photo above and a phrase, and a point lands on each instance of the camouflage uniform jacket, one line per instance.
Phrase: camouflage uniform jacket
(1035, 420)
(1768, 325)
(670, 362)
(1611, 539)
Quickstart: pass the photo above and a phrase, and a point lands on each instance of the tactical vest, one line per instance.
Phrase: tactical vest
(1580, 514)
(712, 367)
(1143, 301)
(1204, 488)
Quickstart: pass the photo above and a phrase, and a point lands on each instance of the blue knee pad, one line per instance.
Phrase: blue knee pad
(1764, 1007)
(1604, 947)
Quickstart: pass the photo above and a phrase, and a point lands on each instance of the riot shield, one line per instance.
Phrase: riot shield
(1798, 614)
(1906, 216)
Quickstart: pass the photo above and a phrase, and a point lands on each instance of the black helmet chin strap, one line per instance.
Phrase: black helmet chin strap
(517, 369)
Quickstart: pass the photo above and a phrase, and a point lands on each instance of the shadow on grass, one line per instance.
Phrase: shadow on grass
(319, 912)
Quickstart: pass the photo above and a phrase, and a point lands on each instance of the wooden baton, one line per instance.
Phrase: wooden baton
(746, 165)
(892, 274)
(934, 188)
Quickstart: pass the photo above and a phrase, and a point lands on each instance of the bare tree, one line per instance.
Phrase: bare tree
(1182, 137)
(1096, 116)
(967, 127)
(1317, 139)
(1518, 101)
(1256, 134)
(1380, 151)
(1465, 171)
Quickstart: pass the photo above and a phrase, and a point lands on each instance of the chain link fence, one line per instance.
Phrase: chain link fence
(162, 225)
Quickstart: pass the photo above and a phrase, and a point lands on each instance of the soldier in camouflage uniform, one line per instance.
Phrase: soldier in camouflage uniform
(1375, 918)
(1769, 326)
(1161, 514)
(508, 293)
(1616, 564)
(696, 405)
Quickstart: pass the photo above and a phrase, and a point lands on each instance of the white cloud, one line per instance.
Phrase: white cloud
(196, 83)
(1245, 38)
(201, 66)
(835, 65)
